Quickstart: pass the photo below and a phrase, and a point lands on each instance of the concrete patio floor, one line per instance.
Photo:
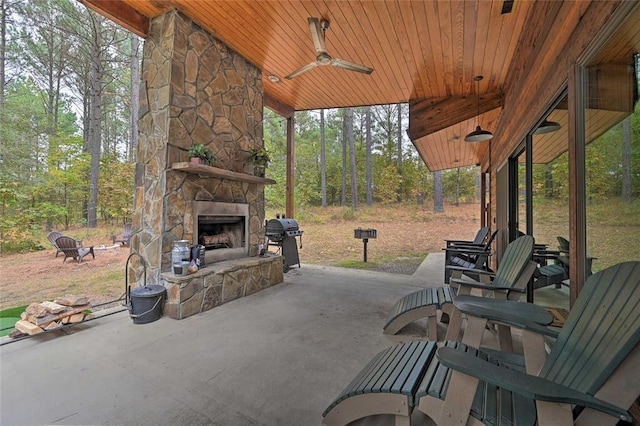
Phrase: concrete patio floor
(277, 357)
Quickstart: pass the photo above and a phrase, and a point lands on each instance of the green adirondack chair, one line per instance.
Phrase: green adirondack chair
(509, 281)
(589, 378)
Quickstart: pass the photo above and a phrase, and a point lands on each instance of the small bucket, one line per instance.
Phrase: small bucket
(181, 269)
(144, 303)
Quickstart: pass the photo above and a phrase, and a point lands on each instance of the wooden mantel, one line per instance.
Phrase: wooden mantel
(210, 171)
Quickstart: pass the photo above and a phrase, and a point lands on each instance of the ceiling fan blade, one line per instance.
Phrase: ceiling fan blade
(351, 66)
(317, 34)
(302, 70)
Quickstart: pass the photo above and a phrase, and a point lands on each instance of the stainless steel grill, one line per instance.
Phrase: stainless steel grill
(282, 233)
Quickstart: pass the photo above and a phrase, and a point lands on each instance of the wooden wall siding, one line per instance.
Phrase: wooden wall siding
(548, 50)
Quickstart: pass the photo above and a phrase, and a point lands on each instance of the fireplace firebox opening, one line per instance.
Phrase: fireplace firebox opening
(222, 228)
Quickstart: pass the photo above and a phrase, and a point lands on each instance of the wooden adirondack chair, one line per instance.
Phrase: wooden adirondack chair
(475, 256)
(52, 237)
(125, 237)
(478, 240)
(591, 372)
(509, 281)
(72, 248)
(590, 376)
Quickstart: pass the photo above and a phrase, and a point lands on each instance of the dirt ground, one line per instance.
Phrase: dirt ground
(40, 276)
(405, 235)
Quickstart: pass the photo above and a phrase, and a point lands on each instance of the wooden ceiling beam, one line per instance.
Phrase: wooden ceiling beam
(277, 106)
(427, 116)
(122, 14)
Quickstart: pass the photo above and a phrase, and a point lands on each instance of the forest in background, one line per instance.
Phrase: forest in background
(68, 137)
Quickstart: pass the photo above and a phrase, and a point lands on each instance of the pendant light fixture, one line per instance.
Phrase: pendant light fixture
(547, 127)
(478, 135)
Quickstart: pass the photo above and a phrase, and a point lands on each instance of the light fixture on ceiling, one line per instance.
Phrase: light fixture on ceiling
(547, 127)
(273, 78)
(478, 135)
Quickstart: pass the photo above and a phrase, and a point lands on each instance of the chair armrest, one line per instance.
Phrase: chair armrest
(484, 286)
(521, 315)
(546, 253)
(470, 270)
(459, 242)
(466, 249)
(532, 387)
(465, 244)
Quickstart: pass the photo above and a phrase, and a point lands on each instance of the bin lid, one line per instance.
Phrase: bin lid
(148, 291)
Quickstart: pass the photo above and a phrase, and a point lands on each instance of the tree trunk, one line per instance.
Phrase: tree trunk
(135, 97)
(3, 50)
(3, 58)
(400, 151)
(95, 134)
(438, 199)
(343, 200)
(548, 182)
(627, 196)
(323, 161)
(369, 159)
(352, 152)
(457, 186)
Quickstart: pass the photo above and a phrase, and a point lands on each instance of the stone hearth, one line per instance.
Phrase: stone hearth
(219, 283)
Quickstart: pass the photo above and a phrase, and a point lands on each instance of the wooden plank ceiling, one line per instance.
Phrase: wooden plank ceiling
(422, 52)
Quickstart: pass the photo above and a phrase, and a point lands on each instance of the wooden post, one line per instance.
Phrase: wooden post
(577, 181)
(289, 208)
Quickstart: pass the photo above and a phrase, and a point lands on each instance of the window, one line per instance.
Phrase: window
(612, 164)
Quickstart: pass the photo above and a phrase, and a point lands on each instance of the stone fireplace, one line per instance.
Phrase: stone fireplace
(194, 89)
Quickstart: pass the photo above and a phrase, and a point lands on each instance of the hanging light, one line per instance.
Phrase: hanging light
(478, 135)
(547, 127)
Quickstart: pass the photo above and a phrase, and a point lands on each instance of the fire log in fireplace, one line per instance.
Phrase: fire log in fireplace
(223, 228)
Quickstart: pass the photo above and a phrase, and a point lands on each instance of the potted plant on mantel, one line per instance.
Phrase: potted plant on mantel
(201, 154)
(260, 159)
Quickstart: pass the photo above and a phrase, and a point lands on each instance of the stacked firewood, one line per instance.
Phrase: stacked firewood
(39, 317)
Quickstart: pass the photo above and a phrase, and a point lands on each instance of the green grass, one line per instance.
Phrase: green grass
(9, 317)
(12, 312)
(5, 323)
(357, 264)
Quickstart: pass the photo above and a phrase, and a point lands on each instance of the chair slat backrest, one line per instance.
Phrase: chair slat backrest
(66, 243)
(601, 330)
(481, 235)
(53, 236)
(127, 230)
(514, 260)
(563, 245)
(487, 245)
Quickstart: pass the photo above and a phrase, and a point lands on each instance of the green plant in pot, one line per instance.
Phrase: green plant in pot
(260, 159)
(201, 154)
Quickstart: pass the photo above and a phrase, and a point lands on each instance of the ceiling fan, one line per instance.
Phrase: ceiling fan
(318, 29)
